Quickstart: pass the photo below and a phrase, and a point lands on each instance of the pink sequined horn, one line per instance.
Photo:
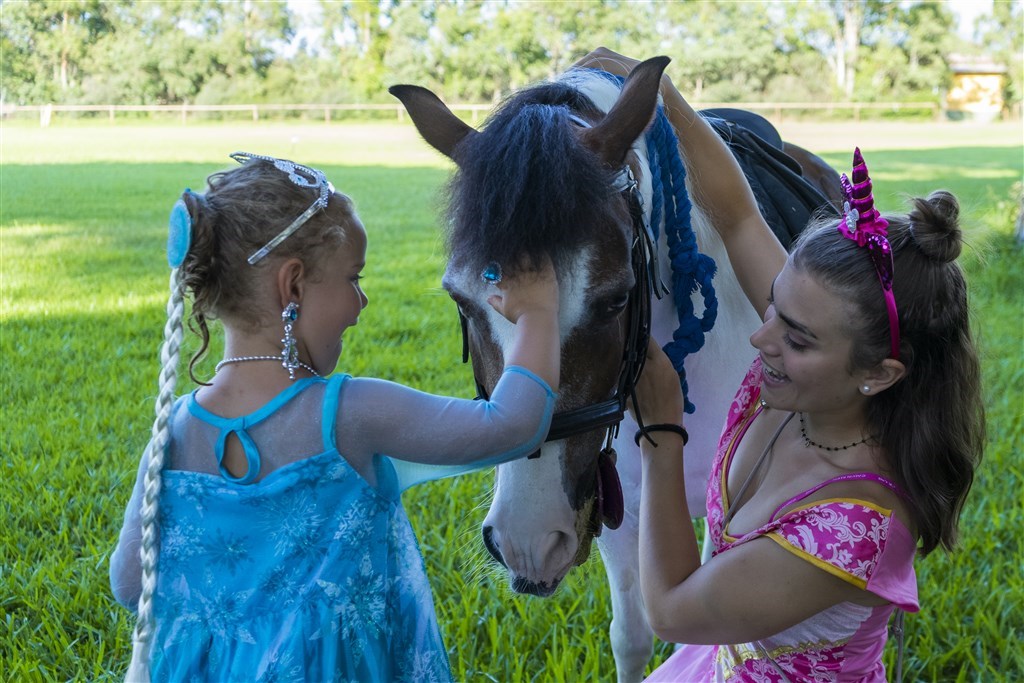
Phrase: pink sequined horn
(862, 223)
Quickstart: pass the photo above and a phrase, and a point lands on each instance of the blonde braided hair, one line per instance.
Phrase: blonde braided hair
(142, 638)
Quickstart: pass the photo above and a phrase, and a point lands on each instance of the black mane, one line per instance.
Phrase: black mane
(525, 185)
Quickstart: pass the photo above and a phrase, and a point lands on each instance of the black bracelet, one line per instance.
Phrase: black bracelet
(647, 429)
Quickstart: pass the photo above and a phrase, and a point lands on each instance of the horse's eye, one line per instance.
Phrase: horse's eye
(609, 308)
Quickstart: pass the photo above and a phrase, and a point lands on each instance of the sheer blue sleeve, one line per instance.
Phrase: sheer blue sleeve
(426, 437)
(125, 563)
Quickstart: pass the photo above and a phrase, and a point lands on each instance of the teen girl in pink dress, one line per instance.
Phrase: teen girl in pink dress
(849, 448)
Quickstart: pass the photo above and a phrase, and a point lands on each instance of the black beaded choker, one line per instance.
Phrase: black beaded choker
(809, 442)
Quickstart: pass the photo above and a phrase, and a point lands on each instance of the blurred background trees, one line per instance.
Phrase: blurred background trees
(349, 51)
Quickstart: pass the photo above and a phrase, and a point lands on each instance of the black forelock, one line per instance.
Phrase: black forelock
(525, 186)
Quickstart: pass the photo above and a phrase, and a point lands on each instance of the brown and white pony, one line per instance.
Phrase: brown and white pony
(545, 176)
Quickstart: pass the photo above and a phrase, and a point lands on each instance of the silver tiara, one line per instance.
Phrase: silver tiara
(303, 176)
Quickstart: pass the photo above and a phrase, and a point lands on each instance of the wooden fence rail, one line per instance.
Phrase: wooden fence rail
(475, 111)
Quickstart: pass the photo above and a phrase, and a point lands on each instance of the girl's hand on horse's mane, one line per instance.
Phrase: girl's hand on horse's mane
(658, 393)
(526, 291)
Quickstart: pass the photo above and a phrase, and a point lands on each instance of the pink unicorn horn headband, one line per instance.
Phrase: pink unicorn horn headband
(862, 223)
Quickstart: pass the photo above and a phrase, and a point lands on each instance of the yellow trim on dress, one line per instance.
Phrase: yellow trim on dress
(885, 512)
(732, 656)
(817, 562)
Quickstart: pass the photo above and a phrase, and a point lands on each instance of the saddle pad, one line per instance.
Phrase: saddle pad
(786, 199)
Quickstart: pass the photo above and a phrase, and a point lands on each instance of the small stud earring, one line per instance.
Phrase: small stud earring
(866, 389)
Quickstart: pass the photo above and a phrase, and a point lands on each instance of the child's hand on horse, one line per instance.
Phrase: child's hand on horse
(528, 289)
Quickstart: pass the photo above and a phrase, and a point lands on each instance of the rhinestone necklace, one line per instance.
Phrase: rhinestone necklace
(809, 442)
(244, 359)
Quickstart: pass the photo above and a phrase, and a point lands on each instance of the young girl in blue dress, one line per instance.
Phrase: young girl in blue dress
(265, 537)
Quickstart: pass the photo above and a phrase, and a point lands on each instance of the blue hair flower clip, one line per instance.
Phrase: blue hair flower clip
(179, 233)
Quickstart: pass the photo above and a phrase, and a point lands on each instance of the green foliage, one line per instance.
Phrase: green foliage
(1003, 33)
(83, 213)
(730, 50)
(141, 52)
(906, 58)
(50, 39)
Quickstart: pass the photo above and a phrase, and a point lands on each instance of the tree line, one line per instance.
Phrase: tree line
(350, 51)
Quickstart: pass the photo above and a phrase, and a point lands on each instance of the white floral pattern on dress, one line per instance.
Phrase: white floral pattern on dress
(317, 577)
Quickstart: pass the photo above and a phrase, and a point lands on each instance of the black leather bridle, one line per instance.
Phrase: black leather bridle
(608, 414)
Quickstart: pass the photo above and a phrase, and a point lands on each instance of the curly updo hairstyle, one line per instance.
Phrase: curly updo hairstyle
(242, 210)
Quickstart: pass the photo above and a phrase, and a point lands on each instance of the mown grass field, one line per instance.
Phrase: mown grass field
(83, 280)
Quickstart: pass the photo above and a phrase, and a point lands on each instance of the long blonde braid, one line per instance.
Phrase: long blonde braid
(142, 638)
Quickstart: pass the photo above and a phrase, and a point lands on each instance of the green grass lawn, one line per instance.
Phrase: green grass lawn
(83, 284)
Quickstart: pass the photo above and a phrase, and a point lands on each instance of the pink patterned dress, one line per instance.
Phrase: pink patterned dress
(856, 540)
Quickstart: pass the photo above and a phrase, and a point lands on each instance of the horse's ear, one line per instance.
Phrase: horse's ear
(629, 117)
(442, 129)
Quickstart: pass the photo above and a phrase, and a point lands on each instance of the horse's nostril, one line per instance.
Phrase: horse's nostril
(492, 548)
(557, 549)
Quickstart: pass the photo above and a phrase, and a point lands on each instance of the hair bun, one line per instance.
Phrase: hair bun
(935, 225)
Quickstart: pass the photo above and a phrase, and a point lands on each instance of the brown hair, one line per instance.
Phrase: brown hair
(930, 424)
(242, 210)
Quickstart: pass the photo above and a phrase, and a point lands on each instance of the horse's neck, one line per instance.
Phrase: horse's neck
(726, 349)
(716, 369)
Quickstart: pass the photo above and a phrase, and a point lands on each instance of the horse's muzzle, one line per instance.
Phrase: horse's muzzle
(519, 583)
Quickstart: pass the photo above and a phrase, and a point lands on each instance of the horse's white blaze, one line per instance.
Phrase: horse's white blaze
(531, 520)
(574, 280)
(530, 517)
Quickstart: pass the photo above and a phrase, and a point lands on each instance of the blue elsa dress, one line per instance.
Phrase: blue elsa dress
(302, 570)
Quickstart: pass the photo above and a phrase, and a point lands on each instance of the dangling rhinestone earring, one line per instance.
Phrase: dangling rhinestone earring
(289, 351)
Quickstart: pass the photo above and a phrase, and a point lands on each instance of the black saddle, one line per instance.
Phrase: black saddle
(786, 199)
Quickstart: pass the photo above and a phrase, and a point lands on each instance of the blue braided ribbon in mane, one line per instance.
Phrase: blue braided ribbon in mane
(692, 271)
